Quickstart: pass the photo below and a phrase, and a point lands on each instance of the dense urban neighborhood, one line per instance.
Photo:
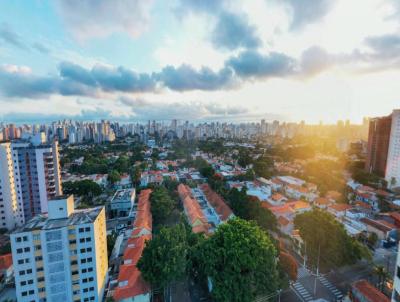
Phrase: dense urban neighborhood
(156, 212)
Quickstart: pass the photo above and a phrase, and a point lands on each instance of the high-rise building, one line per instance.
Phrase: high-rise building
(37, 176)
(393, 158)
(378, 144)
(11, 212)
(62, 255)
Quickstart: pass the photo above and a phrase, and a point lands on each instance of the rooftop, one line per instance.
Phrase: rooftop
(42, 222)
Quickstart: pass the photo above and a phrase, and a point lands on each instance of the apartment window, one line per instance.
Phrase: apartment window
(71, 232)
(73, 241)
(81, 230)
(88, 239)
(21, 273)
(18, 239)
(20, 261)
(29, 271)
(40, 279)
(23, 283)
(74, 262)
(19, 251)
(36, 237)
(42, 289)
(38, 258)
(25, 238)
(87, 229)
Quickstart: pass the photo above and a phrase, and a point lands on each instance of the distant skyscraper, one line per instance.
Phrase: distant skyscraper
(393, 158)
(61, 256)
(378, 144)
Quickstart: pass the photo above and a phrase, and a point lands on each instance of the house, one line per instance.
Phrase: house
(322, 202)
(363, 291)
(333, 196)
(124, 183)
(6, 267)
(217, 202)
(122, 202)
(338, 210)
(277, 199)
(193, 211)
(381, 228)
(285, 225)
(299, 206)
(131, 287)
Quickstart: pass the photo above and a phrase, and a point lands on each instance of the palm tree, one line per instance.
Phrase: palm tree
(382, 275)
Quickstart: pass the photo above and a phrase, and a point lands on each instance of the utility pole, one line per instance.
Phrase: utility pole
(317, 275)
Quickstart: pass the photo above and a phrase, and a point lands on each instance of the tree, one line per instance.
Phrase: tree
(114, 177)
(162, 205)
(240, 261)
(289, 265)
(372, 239)
(164, 258)
(86, 187)
(321, 232)
(249, 209)
(111, 239)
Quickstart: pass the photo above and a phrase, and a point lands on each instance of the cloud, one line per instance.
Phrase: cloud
(41, 48)
(234, 31)
(315, 60)
(252, 64)
(88, 19)
(385, 46)
(186, 77)
(191, 110)
(231, 30)
(304, 12)
(8, 35)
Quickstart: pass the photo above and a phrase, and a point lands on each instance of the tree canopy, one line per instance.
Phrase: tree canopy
(240, 260)
(164, 258)
(247, 208)
(162, 204)
(321, 232)
(84, 187)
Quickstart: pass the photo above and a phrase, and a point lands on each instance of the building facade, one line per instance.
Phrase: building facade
(61, 256)
(393, 159)
(11, 210)
(378, 145)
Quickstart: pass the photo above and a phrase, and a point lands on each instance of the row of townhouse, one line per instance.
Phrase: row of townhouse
(204, 208)
(131, 286)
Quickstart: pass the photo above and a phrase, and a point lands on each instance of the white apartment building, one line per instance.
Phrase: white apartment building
(393, 158)
(61, 256)
(11, 211)
(37, 176)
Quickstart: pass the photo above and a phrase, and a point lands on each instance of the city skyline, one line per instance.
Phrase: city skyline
(199, 61)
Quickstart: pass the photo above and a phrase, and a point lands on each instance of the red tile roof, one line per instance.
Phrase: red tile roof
(368, 292)
(5, 261)
(130, 282)
(283, 221)
(217, 202)
(193, 211)
(340, 207)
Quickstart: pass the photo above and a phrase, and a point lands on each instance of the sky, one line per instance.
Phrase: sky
(199, 60)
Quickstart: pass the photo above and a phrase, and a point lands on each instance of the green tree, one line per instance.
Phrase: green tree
(249, 209)
(114, 177)
(84, 187)
(321, 232)
(164, 259)
(240, 261)
(162, 205)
